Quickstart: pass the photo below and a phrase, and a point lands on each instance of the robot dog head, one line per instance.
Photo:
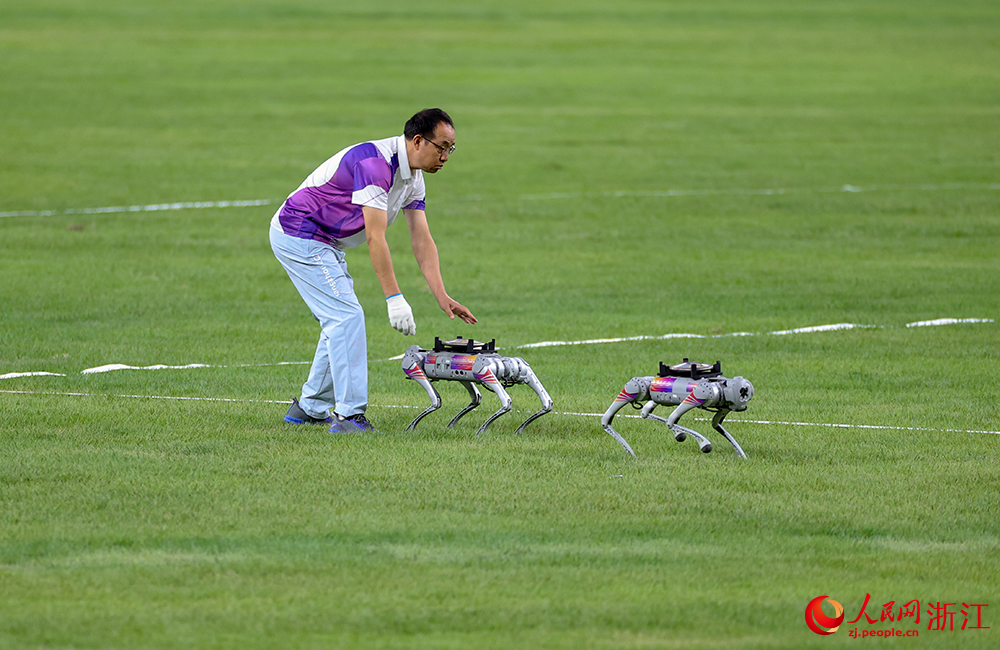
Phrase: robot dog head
(737, 393)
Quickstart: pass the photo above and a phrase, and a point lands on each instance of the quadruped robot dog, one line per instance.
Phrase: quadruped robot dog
(687, 386)
(471, 363)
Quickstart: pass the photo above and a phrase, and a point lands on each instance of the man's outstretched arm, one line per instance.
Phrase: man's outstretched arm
(425, 250)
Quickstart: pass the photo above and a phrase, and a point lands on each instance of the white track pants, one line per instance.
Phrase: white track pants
(338, 378)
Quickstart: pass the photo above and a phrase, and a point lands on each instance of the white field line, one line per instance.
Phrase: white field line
(798, 330)
(121, 366)
(163, 397)
(111, 367)
(153, 207)
(12, 375)
(947, 321)
(875, 427)
(853, 189)
(662, 337)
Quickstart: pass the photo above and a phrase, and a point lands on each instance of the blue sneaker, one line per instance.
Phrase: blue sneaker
(354, 424)
(296, 415)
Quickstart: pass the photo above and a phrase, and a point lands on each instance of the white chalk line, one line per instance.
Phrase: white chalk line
(799, 330)
(852, 189)
(160, 397)
(153, 207)
(847, 188)
(875, 427)
(121, 366)
(12, 375)
(809, 424)
(661, 337)
(112, 367)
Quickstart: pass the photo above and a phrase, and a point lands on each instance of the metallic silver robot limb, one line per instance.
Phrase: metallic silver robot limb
(685, 386)
(472, 363)
(476, 399)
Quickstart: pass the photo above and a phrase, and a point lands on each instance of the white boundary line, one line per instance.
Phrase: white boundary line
(799, 330)
(111, 367)
(875, 427)
(14, 375)
(162, 397)
(851, 189)
(153, 207)
(121, 366)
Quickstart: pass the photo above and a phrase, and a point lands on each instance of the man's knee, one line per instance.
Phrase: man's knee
(345, 316)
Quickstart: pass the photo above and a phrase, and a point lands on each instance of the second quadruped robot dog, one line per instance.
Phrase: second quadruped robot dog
(687, 386)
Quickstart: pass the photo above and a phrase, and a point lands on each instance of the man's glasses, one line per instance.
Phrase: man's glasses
(450, 149)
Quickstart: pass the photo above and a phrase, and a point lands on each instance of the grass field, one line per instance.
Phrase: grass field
(626, 169)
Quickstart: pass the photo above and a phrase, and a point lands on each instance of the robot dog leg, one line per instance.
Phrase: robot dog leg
(475, 398)
(686, 386)
(415, 372)
(472, 363)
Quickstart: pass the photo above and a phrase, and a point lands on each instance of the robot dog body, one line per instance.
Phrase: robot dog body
(471, 363)
(686, 386)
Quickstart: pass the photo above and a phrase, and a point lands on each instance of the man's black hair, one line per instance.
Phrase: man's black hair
(425, 122)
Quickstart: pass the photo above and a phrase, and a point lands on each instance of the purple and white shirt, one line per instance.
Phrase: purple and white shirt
(327, 206)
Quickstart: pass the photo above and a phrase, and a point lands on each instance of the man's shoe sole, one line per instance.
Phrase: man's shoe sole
(349, 429)
(293, 420)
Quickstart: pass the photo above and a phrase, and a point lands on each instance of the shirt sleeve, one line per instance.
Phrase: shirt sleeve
(418, 197)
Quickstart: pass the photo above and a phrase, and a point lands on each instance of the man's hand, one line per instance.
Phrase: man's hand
(452, 308)
(400, 315)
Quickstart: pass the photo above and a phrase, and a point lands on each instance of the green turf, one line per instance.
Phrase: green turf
(624, 169)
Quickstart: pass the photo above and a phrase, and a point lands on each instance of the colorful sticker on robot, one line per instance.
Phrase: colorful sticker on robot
(431, 359)
(626, 397)
(463, 362)
(414, 372)
(691, 399)
(666, 385)
(487, 377)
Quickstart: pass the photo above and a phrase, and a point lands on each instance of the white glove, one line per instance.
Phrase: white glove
(400, 315)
